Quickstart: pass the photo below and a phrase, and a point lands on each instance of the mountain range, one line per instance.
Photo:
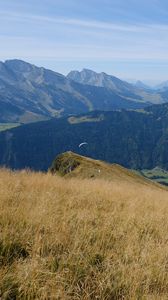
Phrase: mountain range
(118, 120)
(29, 93)
(102, 79)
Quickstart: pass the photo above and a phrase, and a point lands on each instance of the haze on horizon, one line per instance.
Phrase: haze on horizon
(127, 39)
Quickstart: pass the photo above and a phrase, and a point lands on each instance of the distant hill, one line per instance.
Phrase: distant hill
(133, 139)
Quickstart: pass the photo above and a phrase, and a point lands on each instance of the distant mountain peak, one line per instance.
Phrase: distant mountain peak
(87, 70)
(141, 85)
(162, 86)
(18, 61)
(102, 79)
(18, 65)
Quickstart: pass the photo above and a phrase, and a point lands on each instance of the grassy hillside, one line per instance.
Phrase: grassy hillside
(69, 238)
(73, 165)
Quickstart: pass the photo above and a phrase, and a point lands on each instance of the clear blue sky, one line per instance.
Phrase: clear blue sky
(126, 38)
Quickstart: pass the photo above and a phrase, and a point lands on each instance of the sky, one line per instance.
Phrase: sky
(125, 38)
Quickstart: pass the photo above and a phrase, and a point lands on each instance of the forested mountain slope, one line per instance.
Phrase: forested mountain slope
(136, 140)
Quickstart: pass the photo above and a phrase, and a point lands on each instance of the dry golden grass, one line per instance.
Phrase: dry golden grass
(82, 239)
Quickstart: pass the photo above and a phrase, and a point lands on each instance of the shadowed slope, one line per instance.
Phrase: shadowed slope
(135, 140)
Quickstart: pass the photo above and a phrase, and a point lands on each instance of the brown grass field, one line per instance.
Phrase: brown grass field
(69, 238)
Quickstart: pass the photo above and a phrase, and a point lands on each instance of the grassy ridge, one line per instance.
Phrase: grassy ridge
(5, 126)
(82, 239)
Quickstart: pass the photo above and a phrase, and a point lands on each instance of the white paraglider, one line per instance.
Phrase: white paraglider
(82, 144)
